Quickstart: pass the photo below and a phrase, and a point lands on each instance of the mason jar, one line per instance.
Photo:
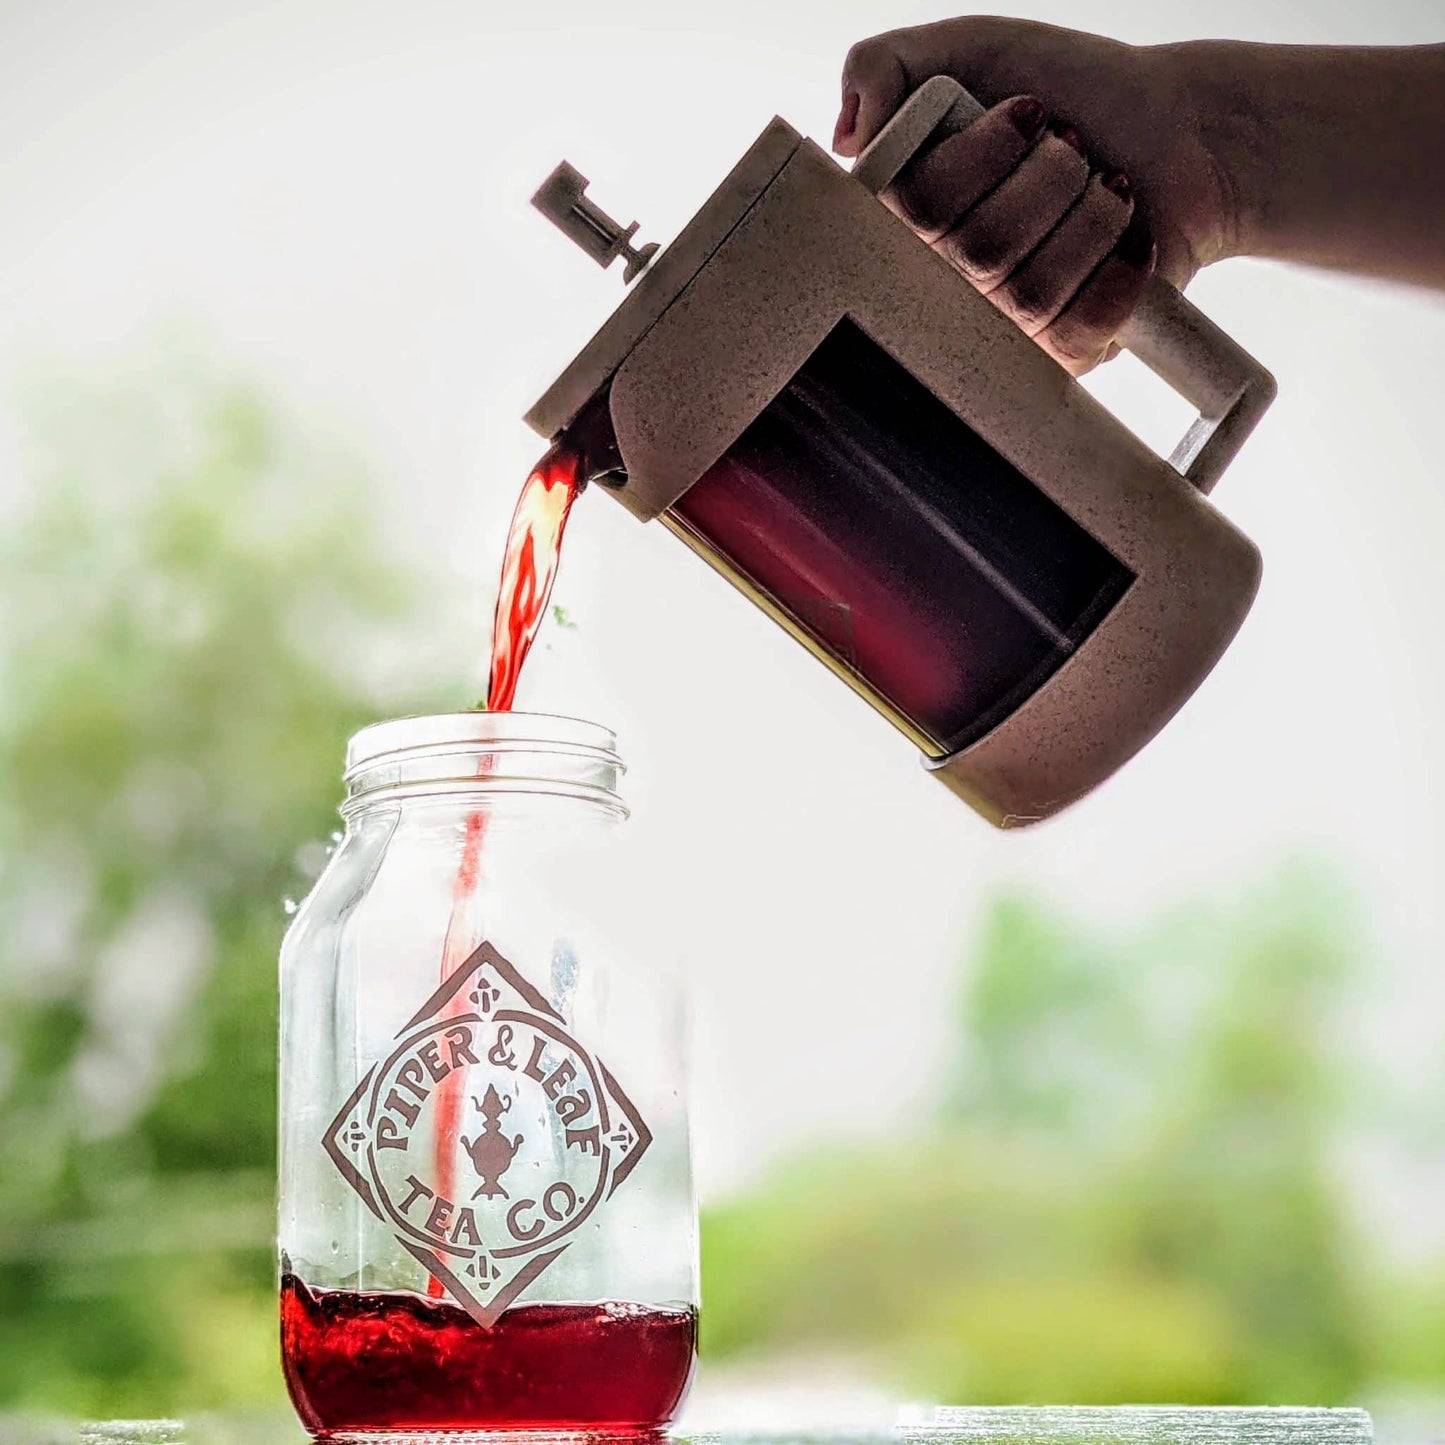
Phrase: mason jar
(487, 1219)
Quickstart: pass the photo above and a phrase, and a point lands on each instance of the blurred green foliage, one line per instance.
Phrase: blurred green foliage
(189, 595)
(1132, 1191)
(1127, 1186)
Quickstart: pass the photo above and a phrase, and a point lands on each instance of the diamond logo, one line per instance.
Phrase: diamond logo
(487, 1136)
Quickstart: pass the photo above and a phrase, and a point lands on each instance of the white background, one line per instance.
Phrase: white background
(336, 194)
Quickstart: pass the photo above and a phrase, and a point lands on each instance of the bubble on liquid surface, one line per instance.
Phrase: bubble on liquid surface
(624, 1309)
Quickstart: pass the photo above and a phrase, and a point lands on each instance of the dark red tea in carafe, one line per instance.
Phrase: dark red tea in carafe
(936, 577)
(904, 544)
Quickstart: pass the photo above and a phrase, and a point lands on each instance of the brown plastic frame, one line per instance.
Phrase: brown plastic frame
(812, 246)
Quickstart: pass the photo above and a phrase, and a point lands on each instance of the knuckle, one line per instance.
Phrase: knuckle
(938, 186)
(1074, 345)
(869, 56)
(980, 252)
(918, 206)
(1030, 299)
(1109, 201)
(919, 196)
(1067, 168)
(989, 264)
(1103, 216)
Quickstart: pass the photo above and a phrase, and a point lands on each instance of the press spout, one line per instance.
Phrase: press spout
(592, 440)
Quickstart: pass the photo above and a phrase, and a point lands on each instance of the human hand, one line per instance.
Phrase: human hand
(1089, 170)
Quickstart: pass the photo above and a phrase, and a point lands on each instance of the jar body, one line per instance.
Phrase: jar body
(486, 1209)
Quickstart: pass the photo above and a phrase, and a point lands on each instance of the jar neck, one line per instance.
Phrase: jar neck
(481, 760)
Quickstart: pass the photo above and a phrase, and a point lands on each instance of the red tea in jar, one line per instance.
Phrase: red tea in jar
(394, 1361)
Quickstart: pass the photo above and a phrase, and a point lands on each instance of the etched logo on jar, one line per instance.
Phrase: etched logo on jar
(488, 1136)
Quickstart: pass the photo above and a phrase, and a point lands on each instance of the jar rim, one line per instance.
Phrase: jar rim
(490, 731)
(487, 754)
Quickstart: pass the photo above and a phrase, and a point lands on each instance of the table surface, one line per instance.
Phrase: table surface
(947, 1428)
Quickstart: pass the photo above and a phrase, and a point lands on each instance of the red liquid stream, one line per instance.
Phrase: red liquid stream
(399, 1361)
(529, 568)
(395, 1360)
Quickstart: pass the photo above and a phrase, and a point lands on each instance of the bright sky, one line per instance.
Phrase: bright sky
(337, 193)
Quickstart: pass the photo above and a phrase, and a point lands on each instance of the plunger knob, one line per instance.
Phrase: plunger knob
(562, 198)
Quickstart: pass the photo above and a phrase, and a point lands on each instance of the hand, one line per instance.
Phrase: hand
(1088, 171)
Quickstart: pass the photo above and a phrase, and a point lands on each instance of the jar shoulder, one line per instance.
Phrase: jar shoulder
(341, 887)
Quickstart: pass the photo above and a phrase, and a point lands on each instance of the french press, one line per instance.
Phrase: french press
(814, 401)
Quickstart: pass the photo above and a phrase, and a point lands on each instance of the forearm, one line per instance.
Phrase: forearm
(1333, 156)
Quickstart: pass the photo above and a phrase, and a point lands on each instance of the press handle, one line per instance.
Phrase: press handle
(1171, 336)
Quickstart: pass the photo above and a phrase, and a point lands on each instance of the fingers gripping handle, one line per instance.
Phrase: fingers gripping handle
(1173, 338)
(939, 103)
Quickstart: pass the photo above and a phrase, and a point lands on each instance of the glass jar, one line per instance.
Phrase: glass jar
(486, 1211)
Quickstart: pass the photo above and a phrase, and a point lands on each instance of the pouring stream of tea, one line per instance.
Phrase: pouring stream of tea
(529, 567)
(386, 1360)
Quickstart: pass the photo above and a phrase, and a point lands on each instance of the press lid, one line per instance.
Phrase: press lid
(663, 280)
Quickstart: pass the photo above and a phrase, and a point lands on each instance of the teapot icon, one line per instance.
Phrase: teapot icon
(491, 1152)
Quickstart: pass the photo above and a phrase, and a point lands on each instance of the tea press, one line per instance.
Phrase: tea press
(811, 398)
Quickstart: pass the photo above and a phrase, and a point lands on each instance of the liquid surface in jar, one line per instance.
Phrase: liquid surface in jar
(394, 1360)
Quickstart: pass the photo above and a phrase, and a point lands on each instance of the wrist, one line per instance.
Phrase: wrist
(1225, 142)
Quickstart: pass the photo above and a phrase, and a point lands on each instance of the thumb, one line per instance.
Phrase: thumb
(880, 73)
(875, 83)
